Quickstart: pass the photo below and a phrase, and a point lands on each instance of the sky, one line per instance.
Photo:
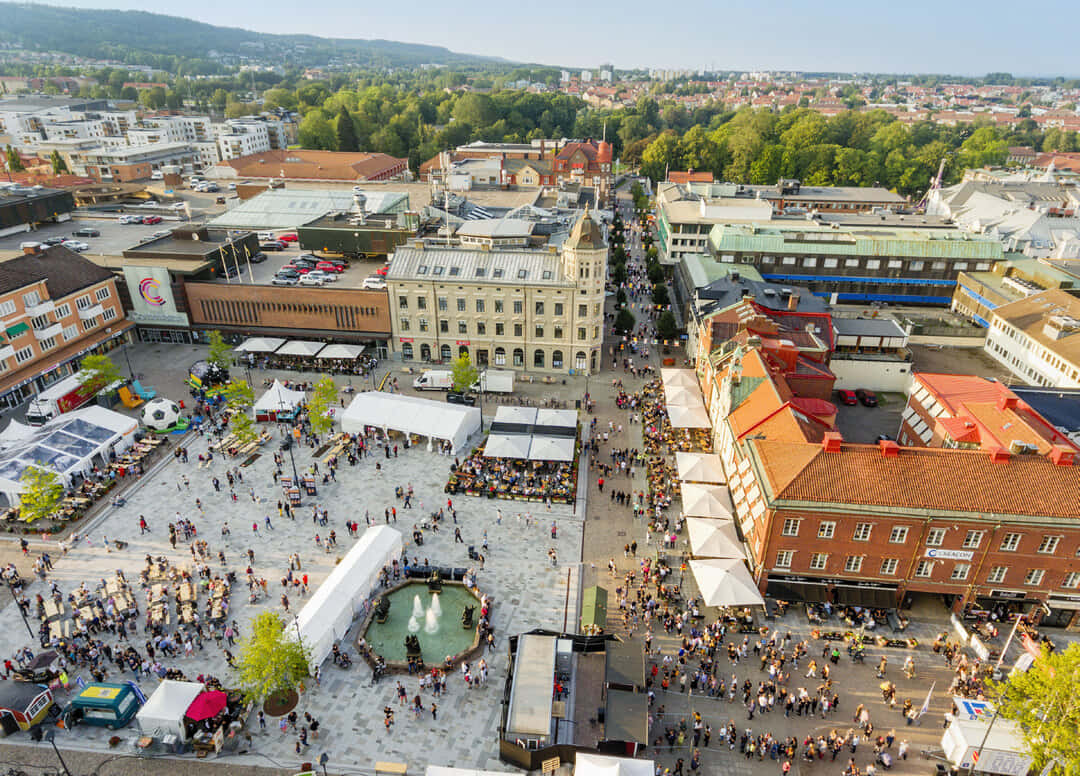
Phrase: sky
(919, 36)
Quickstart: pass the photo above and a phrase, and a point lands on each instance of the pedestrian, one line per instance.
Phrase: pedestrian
(262, 722)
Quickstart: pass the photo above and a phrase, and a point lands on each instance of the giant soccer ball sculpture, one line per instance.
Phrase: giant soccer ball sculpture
(160, 414)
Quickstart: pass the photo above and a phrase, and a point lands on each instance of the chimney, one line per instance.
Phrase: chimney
(832, 442)
(889, 448)
(1062, 456)
(793, 302)
(1007, 401)
(30, 248)
(999, 455)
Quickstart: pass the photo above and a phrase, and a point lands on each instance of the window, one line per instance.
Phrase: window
(498, 273)
(937, 266)
(33, 299)
(539, 308)
(519, 357)
(437, 271)
(826, 529)
(789, 261)
(422, 324)
(818, 561)
(898, 535)
(791, 527)
(444, 351)
(960, 572)
(873, 263)
(582, 310)
(461, 305)
(997, 574)
(403, 302)
(915, 266)
(538, 359)
(479, 305)
(422, 269)
(853, 564)
(421, 303)
(500, 329)
(809, 262)
(442, 304)
(480, 271)
(1072, 579)
(1034, 577)
(862, 532)
(581, 332)
(784, 558)
(1010, 542)
(455, 271)
(41, 322)
(101, 294)
(108, 314)
(558, 332)
(403, 324)
(7, 307)
(558, 308)
(556, 359)
(24, 355)
(70, 333)
(973, 540)
(63, 311)
(888, 566)
(519, 307)
(935, 537)
(498, 305)
(522, 274)
(851, 262)
(481, 328)
(462, 327)
(895, 264)
(444, 326)
(519, 330)
(1049, 545)
(500, 356)
(539, 332)
(406, 351)
(925, 569)
(89, 323)
(547, 274)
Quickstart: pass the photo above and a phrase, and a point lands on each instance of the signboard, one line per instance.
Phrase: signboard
(940, 554)
(151, 297)
(76, 397)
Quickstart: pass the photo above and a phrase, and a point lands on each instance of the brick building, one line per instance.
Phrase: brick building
(588, 163)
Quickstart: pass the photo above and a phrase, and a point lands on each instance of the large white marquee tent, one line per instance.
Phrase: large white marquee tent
(454, 423)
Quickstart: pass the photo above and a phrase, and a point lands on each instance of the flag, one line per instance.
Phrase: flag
(138, 691)
(926, 703)
(80, 682)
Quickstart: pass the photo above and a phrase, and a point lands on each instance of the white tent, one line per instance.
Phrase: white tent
(412, 415)
(685, 378)
(678, 395)
(508, 446)
(688, 417)
(300, 348)
(278, 398)
(1000, 750)
(557, 418)
(706, 501)
(16, 431)
(711, 538)
(546, 448)
(588, 764)
(260, 345)
(521, 415)
(726, 582)
(341, 351)
(163, 712)
(700, 467)
(329, 612)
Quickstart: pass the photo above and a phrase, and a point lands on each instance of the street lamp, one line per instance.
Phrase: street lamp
(287, 444)
(50, 736)
(11, 589)
(131, 371)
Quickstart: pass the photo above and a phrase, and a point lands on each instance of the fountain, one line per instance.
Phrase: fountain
(417, 607)
(431, 621)
(435, 605)
(414, 624)
(435, 619)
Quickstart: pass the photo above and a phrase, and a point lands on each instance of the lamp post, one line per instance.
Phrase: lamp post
(131, 372)
(50, 736)
(11, 589)
(287, 444)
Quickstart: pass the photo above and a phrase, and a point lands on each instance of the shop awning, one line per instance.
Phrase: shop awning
(870, 597)
(594, 607)
(17, 329)
(714, 538)
(804, 592)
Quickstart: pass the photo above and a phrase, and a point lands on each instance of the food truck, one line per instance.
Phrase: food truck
(103, 704)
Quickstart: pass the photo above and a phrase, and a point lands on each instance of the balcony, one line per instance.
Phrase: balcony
(52, 330)
(86, 313)
(41, 308)
(6, 352)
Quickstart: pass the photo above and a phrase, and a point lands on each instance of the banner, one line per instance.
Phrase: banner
(151, 297)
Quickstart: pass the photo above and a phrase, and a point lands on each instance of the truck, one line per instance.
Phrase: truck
(60, 397)
(434, 380)
(495, 381)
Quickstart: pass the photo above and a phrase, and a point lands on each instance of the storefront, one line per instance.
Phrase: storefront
(839, 592)
(1064, 612)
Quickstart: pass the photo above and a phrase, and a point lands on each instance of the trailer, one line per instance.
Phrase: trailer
(60, 397)
(495, 381)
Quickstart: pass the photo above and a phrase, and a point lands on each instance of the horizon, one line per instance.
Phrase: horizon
(849, 39)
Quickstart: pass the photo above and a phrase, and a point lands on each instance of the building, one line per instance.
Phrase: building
(250, 135)
(55, 307)
(128, 163)
(23, 207)
(285, 208)
(978, 294)
(685, 217)
(352, 233)
(302, 165)
(587, 163)
(898, 265)
(436, 168)
(1038, 338)
(870, 353)
(532, 309)
(788, 196)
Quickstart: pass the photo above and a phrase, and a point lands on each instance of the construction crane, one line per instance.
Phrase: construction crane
(935, 184)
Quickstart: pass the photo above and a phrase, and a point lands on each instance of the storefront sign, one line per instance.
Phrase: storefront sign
(405, 339)
(151, 296)
(940, 554)
(463, 342)
(1009, 595)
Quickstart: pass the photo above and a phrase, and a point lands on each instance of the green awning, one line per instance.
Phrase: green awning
(19, 328)
(594, 607)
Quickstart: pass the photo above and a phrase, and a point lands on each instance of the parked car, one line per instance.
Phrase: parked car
(75, 245)
(86, 231)
(312, 280)
(157, 175)
(374, 283)
(868, 398)
(288, 237)
(128, 219)
(53, 240)
(264, 236)
(327, 266)
(339, 262)
(151, 220)
(847, 397)
(273, 245)
(258, 258)
(283, 281)
(299, 270)
(383, 270)
(328, 277)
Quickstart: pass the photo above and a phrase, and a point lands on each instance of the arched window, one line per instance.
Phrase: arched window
(425, 352)
(556, 359)
(580, 360)
(406, 351)
(538, 359)
(519, 357)
(463, 351)
(500, 357)
(444, 352)
(592, 362)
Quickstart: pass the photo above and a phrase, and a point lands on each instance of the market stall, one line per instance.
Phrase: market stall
(977, 743)
(23, 705)
(260, 345)
(278, 403)
(103, 704)
(163, 713)
(706, 501)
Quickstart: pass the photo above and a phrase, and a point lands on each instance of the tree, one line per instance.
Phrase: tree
(463, 374)
(620, 297)
(59, 164)
(666, 326)
(1042, 701)
(624, 321)
(97, 371)
(346, 131)
(42, 491)
(14, 161)
(243, 427)
(270, 663)
(238, 394)
(323, 399)
(220, 353)
(660, 294)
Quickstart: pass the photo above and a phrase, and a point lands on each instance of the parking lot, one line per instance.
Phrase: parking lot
(263, 273)
(863, 425)
(115, 237)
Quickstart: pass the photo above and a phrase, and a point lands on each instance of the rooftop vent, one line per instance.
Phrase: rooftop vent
(832, 442)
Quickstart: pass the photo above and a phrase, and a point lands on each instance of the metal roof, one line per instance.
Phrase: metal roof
(290, 208)
(867, 327)
(454, 265)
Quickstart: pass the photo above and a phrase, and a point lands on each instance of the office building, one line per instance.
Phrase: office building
(1038, 338)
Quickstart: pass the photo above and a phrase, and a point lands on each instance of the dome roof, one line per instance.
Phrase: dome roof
(586, 235)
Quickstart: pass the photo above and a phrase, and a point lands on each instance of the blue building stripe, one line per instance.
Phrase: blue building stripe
(857, 279)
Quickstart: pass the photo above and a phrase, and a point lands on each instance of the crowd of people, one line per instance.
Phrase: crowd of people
(548, 481)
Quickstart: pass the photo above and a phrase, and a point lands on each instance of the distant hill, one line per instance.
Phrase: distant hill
(138, 37)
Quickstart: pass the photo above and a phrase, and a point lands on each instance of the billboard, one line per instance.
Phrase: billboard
(151, 297)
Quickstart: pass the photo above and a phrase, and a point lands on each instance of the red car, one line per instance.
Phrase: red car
(151, 220)
(847, 397)
(327, 266)
(383, 270)
(289, 237)
(302, 269)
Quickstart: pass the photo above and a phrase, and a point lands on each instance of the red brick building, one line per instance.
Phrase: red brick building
(588, 163)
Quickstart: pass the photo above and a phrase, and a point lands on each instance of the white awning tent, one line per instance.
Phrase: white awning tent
(1001, 749)
(300, 348)
(278, 398)
(688, 417)
(587, 764)
(341, 351)
(16, 431)
(711, 538)
(684, 378)
(163, 713)
(454, 423)
(328, 614)
(260, 345)
(545, 448)
(557, 418)
(700, 467)
(69, 445)
(508, 446)
(706, 501)
(523, 415)
(725, 582)
(682, 396)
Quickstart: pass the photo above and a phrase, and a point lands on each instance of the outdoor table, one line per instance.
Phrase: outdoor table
(52, 609)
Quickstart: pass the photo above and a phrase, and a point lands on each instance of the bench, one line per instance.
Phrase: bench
(397, 769)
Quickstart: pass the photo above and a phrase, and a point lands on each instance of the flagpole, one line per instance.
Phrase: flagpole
(247, 258)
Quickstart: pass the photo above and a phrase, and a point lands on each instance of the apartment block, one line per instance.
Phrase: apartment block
(1038, 338)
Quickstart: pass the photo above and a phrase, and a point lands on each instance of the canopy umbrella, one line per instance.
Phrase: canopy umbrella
(706, 501)
(508, 446)
(681, 396)
(693, 416)
(686, 378)
(700, 467)
(713, 538)
(341, 351)
(725, 582)
(300, 348)
(207, 705)
(260, 345)
(546, 448)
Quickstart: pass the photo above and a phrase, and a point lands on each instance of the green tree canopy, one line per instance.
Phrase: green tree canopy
(666, 326)
(220, 353)
(59, 164)
(463, 373)
(624, 321)
(346, 131)
(238, 394)
(271, 662)
(97, 371)
(42, 491)
(323, 398)
(14, 161)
